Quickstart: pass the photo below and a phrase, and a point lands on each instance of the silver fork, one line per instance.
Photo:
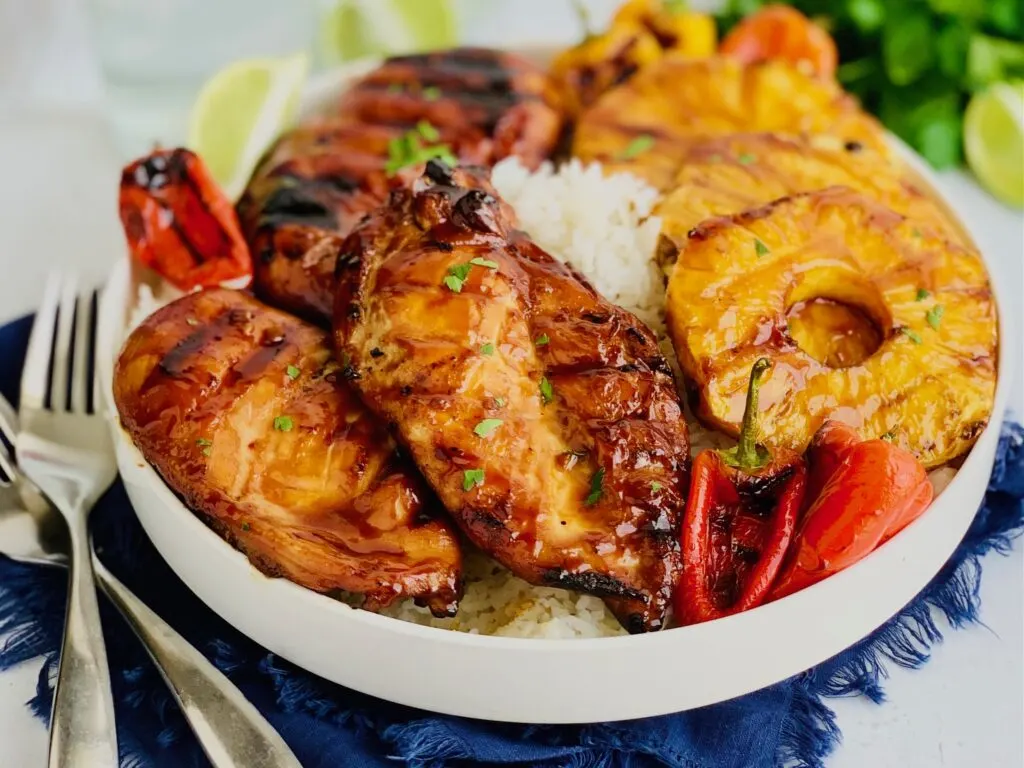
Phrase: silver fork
(231, 731)
(64, 448)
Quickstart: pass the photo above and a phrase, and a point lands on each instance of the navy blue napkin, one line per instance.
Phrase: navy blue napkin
(329, 726)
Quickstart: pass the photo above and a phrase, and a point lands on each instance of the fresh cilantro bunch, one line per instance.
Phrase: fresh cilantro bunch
(915, 63)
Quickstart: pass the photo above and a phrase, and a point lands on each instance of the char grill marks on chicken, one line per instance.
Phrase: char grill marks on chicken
(543, 416)
(243, 412)
(321, 178)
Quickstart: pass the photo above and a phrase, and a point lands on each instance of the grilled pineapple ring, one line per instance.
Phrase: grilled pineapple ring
(734, 173)
(678, 101)
(868, 317)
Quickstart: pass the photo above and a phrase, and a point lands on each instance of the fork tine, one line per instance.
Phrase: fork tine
(80, 382)
(35, 378)
(62, 346)
(93, 365)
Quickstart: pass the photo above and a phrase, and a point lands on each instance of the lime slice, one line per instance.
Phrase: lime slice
(355, 28)
(240, 111)
(994, 140)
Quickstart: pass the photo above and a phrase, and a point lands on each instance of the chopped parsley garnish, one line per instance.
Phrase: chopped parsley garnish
(283, 423)
(655, 486)
(746, 159)
(431, 93)
(760, 248)
(889, 437)
(246, 526)
(500, 402)
(547, 393)
(191, 321)
(485, 427)
(543, 339)
(911, 334)
(922, 294)
(457, 274)
(637, 146)
(206, 445)
(427, 131)
(596, 488)
(292, 371)
(409, 149)
(480, 262)
(934, 316)
(472, 477)
(487, 349)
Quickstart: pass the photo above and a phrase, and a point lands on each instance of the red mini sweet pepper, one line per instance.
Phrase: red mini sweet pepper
(179, 223)
(864, 492)
(739, 520)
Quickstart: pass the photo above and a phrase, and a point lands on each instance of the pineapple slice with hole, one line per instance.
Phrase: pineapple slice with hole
(676, 102)
(867, 317)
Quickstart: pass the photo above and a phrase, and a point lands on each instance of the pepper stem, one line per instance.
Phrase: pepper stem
(748, 454)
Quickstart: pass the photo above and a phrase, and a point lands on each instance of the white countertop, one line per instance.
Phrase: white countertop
(58, 207)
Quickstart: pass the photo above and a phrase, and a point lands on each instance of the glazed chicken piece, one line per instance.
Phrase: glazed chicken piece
(646, 126)
(476, 105)
(243, 412)
(543, 416)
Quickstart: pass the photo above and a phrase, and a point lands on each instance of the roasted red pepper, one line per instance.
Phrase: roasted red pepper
(739, 520)
(179, 223)
(866, 493)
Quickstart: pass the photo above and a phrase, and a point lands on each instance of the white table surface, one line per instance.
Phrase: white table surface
(965, 708)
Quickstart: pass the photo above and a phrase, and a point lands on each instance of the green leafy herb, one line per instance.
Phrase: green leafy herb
(655, 486)
(283, 423)
(547, 393)
(596, 488)
(676, 6)
(922, 294)
(481, 262)
(471, 478)
(500, 402)
(541, 340)
(487, 426)
(246, 526)
(431, 93)
(911, 334)
(889, 437)
(746, 159)
(427, 131)
(487, 349)
(206, 446)
(760, 248)
(457, 274)
(292, 372)
(934, 316)
(637, 146)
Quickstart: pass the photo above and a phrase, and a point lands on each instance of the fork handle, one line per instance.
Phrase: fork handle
(231, 731)
(82, 730)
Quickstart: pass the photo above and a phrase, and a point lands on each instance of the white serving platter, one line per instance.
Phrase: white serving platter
(535, 680)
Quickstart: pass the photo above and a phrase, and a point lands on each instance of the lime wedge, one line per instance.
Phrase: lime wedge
(994, 140)
(355, 28)
(240, 111)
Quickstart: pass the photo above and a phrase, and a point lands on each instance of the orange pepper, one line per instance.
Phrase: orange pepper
(781, 32)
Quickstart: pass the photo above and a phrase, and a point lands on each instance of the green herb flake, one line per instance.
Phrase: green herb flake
(934, 316)
(547, 393)
(283, 423)
(656, 486)
(596, 488)
(192, 321)
(499, 402)
(206, 446)
(746, 159)
(760, 248)
(487, 349)
(246, 526)
(889, 437)
(427, 131)
(292, 372)
(481, 262)
(486, 427)
(542, 340)
(676, 6)
(911, 334)
(457, 274)
(453, 283)
(472, 478)
(431, 93)
(922, 294)
(637, 146)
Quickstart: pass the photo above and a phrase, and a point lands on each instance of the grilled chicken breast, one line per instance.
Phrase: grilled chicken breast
(321, 178)
(544, 416)
(243, 412)
(645, 126)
